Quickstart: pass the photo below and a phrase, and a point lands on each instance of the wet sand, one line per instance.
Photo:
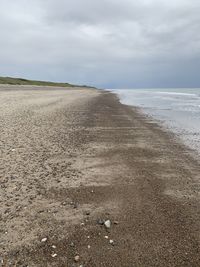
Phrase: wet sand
(69, 157)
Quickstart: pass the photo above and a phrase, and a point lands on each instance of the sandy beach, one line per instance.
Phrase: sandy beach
(70, 159)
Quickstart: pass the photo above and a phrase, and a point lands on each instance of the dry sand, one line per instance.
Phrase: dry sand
(69, 157)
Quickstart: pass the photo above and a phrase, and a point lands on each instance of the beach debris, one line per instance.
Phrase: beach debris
(54, 255)
(100, 222)
(76, 258)
(44, 239)
(107, 224)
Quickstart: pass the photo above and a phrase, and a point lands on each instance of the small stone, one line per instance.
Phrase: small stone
(72, 244)
(116, 222)
(111, 242)
(88, 237)
(100, 222)
(44, 239)
(106, 237)
(82, 224)
(76, 258)
(107, 224)
(41, 211)
(89, 246)
(75, 205)
(87, 213)
(53, 246)
(54, 255)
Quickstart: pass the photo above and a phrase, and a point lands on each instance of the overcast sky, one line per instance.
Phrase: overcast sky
(106, 43)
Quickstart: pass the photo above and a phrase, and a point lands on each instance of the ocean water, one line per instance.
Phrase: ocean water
(176, 109)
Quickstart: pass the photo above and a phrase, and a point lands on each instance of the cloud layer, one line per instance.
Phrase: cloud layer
(107, 43)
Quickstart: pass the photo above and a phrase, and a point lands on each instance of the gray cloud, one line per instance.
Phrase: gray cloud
(107, 43)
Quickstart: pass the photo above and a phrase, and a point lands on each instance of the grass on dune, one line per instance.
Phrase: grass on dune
(20, 81)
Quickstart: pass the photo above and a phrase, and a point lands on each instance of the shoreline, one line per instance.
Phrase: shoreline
(80, 156)
(176, 136)
(177, 115)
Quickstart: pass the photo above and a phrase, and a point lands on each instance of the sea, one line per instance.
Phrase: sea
(178, 110)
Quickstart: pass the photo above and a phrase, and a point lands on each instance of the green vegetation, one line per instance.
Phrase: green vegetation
(19, 81)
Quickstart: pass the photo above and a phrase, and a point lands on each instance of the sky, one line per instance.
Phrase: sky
(105, 43)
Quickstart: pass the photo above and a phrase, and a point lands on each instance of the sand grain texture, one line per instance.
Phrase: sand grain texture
(69, 157)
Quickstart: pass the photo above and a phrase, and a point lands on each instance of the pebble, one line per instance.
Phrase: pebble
(100, 222)
(77, 258)
(75, 205)
(107, 224)
(44, 239)
(54, 255)
(106, 237)
(72, 244)
(111, 242)
(53, 246)
(89, 246)
(41, 211)
(87, 213)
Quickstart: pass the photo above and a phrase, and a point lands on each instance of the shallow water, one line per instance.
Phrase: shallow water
(177, 109)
